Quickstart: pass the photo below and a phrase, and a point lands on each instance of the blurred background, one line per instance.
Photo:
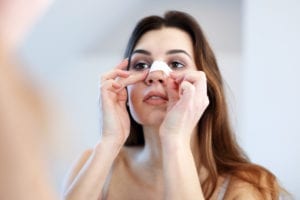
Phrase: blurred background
(256, 43)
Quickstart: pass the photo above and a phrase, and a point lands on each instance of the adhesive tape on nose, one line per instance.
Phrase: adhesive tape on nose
(160, 66)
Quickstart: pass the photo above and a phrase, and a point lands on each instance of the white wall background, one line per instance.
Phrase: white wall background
(255, 43)
(271, 94)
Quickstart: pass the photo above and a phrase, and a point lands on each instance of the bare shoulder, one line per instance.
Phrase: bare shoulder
(76, 167)
(84, 157)
(240, 189)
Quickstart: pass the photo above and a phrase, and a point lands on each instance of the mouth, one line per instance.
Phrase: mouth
(155, 98)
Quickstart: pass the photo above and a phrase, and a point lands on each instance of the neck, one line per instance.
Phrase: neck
(152, 151)
(151, 160)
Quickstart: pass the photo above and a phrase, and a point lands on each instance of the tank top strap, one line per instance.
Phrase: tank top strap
(223, 188)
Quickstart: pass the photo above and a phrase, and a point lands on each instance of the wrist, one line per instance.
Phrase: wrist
(108, 145)
(115, 139)
(170, 142)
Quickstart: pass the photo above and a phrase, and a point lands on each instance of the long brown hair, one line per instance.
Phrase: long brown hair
(220, 153)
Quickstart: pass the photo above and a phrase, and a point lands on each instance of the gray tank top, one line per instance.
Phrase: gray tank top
(223, 189)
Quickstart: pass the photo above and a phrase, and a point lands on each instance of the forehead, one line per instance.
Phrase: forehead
(164, 39)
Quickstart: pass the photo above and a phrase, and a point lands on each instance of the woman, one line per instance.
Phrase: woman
(178, 141)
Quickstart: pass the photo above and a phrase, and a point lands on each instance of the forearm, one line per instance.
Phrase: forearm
(22, 170)
(115, 130)
(180, 173)
(90, 180)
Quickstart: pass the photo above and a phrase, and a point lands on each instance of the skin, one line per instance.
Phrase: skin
(17, 19)
(22, 170)
(165, 168)
(162, 132)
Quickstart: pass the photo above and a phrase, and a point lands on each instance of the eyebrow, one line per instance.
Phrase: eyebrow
(172, 51)
(175, 51)
(141, 51)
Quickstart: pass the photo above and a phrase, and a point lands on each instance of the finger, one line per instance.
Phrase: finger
(123, 65)
(133, 78)
(114, 74)
(187, 90)
(116, 85)
(109, 85)
(197, 78)
(122, 96)
(201, 86)
(172, 91)
(191, 76)
(199, 81)
(177, 77)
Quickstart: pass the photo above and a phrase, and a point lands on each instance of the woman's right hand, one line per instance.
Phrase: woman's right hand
(113, 98)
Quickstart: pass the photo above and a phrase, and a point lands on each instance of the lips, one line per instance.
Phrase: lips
(155, 98)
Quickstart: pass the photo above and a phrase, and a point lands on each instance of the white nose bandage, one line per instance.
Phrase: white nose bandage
(160, 66)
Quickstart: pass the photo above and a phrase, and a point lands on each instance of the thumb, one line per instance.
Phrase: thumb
(186, 91)
(172, 91)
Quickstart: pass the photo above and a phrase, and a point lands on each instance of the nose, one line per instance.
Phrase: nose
(156, 77)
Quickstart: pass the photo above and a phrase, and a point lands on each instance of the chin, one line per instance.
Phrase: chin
(150, 119)
(156, 120)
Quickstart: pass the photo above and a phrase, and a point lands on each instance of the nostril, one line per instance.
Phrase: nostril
(155, 77)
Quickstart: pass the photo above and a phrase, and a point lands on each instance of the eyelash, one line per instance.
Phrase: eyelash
(140, 66)
(143, 65)
(174, 65)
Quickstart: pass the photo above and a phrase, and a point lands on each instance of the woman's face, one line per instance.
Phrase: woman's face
(148, 99)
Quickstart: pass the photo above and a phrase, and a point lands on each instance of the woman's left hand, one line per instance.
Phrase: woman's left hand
(188, 100)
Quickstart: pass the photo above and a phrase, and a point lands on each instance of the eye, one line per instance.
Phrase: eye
(176, 65)
(140, 66)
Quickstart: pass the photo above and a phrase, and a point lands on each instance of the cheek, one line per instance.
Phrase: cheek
(134, 102)
(132, 94)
